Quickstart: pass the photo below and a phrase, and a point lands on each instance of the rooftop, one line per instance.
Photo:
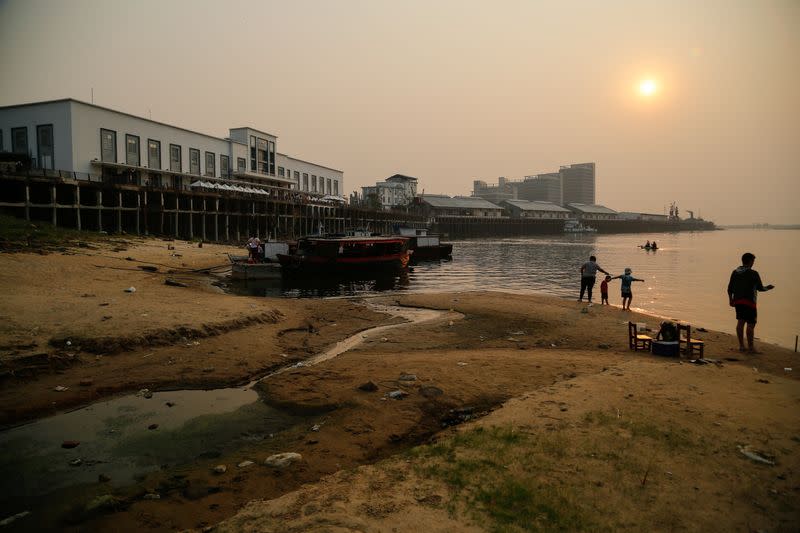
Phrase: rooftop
(458, 202)
(525, 205)
(586, 208)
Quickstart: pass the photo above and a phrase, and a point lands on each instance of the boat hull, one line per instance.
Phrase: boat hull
(432, 253)
(248, 271)
(301, 264)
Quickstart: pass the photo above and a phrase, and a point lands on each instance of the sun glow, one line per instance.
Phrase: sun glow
(647, 87)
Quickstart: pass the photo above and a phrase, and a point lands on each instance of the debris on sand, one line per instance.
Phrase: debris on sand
(756, 456)
(61, 389)
(220, 469)
(145, 393)
(397, 394)
(69, 444)
(282, 460)
(174, 283)
(245, 464)
(130, 289)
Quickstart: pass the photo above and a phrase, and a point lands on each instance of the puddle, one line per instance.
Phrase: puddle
(115, 439)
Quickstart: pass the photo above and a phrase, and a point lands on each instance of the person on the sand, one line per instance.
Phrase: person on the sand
(604, 290)
(744, 285)
(588, 274)
(625, 288)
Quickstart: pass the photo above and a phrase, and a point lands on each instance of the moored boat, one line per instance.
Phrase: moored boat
(574, 226)
(244, 268)
(426, 246)
(344, 254)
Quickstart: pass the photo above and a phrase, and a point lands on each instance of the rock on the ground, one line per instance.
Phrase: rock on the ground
(282, 460)
(369, 386)
(245, 464)
(69, 444)
(174, 283)
(152, 496)
(408, 377)
(397, 394)
(105, 502)
(152, 426)
(220, 469)
(429, 391)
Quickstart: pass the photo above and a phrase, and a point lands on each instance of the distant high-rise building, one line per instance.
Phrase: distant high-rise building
(577, 183)
(504, 190)
(540, 188)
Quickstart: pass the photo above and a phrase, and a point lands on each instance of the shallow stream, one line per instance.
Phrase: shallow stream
(116, 439)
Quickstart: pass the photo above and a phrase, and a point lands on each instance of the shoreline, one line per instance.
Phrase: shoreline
(506, 347)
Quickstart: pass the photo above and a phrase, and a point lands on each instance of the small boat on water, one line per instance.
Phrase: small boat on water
(244, 268)
(346, 253)
(574, 226)
(426, 246)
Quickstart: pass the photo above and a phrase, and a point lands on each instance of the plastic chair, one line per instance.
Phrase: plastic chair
(636, 341)
(692, 345)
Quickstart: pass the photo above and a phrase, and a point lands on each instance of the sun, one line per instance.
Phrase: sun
(647, 87)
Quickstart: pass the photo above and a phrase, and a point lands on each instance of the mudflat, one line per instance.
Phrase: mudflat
(505, 411)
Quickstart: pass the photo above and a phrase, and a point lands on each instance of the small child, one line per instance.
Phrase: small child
(604, 290)
(627, 294)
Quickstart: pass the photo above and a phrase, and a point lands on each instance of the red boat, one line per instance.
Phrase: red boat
(344, 254)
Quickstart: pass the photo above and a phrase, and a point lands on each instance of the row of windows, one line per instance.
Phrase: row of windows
(108, 154)
(321, 184)
(45, 150)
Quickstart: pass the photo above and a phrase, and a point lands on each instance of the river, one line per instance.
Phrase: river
(686, 278)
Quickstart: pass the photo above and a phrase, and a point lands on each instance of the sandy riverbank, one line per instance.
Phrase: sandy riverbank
(537, 357)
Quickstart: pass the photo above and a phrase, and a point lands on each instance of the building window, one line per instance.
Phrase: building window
(210, 165)
(175, 158)
(305, 181)
(1, 139)
(328, 187)
(132, 153)
(313, 183)
(154, 154)
(224, 166)
(241, 164)
(253, 155)
(297, 178)
(108, 146)
(19, 140)
(280, 171)
(194, 161)
(272, 158)
(336, 187)
(44, 146)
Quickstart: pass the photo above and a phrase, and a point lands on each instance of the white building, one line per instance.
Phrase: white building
(94, 141)
(436, 205)
(394, 191)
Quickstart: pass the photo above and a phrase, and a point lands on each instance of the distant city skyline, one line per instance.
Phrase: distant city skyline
(674, 101)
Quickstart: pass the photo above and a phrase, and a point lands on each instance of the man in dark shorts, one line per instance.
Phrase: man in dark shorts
(588, 274)
(745, 283)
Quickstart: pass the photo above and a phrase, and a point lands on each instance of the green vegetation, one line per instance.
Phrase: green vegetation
(17, 234)
(555, 479)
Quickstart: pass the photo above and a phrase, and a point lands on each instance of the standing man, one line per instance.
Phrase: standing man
(745, 283)
(588, 275)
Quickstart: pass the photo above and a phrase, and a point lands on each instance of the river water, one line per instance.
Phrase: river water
(686, 278)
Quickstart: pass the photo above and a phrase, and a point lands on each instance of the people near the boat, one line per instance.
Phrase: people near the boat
(588, 274)
(653, 245)
(625, 289)
(744, 285)
(647, 244)
(253, 244)
(604, 290)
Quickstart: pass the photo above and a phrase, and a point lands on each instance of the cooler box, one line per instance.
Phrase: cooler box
(667, 349)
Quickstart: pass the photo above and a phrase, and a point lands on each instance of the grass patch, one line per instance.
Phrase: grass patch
(19, 234)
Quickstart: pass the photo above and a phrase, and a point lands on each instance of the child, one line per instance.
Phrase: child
(627, 294)
(604, 290)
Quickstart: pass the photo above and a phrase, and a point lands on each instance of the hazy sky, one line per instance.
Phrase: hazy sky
(456, 90)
